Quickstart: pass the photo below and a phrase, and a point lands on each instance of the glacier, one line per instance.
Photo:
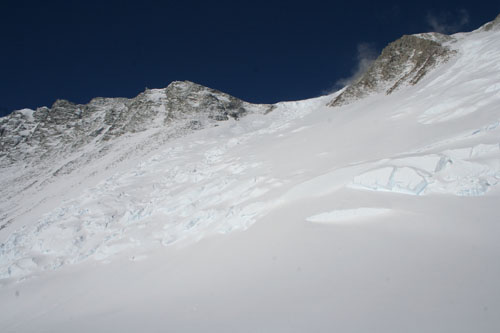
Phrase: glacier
(186, 209)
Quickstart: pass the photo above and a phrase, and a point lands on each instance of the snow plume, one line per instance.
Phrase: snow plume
(366, 55)
(447, 23)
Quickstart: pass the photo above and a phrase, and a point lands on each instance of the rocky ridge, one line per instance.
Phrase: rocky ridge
(33, 135)
(403, 62)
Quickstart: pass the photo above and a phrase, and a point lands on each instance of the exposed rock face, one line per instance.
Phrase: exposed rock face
(31, 136)
(403, 62)
(36, 146)
(494, 25)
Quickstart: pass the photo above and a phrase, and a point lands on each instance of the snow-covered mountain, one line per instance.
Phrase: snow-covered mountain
(40, 147)
(186, 209)
(405, 61)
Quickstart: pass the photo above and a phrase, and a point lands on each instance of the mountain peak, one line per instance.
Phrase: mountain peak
(66, 127)
(402, 62)
(185, 84)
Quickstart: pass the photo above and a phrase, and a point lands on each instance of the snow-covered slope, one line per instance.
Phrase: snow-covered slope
(47, 152)
(380, 214)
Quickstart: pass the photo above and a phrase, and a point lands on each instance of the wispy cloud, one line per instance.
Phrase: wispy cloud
(447, 23)
(365, 56)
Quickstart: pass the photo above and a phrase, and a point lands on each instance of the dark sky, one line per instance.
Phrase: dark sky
(258, 51)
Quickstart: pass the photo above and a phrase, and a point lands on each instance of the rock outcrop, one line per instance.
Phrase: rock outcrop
(493, 25)
(403, 62)
(33, 135)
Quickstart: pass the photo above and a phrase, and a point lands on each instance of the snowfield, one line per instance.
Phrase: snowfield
(376, 216)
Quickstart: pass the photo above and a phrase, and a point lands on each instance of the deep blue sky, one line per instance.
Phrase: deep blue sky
(258, 51)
